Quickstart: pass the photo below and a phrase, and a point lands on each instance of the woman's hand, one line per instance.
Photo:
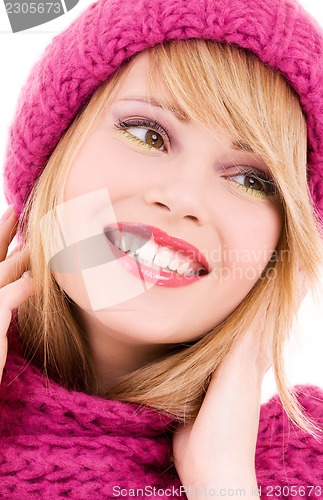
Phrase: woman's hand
(14, 289)
(217, 450)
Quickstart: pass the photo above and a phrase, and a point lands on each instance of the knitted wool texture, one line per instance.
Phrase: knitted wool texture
(57, 443)
(111, 31)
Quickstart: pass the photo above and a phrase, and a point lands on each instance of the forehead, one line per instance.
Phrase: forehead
(137, 77)
(137, 86)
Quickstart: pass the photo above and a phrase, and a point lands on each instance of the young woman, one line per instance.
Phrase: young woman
(165, 164)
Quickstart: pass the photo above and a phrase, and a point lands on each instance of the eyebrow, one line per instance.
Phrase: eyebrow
(178, 113)
(182, 117)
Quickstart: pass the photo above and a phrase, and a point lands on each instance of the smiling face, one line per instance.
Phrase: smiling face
(201, 205)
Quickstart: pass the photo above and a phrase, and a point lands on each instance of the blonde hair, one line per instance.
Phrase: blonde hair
(238, 92)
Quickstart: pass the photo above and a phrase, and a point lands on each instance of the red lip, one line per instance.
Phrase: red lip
(163, 239)
(158, 277)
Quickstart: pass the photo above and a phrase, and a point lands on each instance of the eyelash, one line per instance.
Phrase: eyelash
(269, 184)
(143, 123)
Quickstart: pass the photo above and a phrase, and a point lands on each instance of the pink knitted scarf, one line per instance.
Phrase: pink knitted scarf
(57, 443)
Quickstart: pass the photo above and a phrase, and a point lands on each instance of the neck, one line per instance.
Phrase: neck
(115, 355)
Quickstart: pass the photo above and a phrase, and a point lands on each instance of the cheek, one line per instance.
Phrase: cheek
(94, 167)
(106, 162)
(253, 237)
(73, 286)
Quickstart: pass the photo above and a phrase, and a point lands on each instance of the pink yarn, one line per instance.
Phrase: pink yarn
(111, 31)
(57, 443)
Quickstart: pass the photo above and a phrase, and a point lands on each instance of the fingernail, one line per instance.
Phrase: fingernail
(7, 214)
(27, 274)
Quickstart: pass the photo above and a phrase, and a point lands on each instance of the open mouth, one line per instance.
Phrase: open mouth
(148, 246)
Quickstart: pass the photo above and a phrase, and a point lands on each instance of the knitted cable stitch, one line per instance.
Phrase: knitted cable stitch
(57, 443)
(110, 32)
(61, 444)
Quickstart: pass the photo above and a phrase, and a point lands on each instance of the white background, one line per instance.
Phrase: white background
(17, 54)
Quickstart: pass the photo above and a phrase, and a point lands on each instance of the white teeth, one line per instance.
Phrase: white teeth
(126, 240)
(153, 255)
(115, 238)
(163, 257)
(136, 246)
(148, 251)
(173, 265)
(152, 265)
(183, 267)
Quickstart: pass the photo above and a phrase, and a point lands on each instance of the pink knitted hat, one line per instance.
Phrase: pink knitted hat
(109, 32)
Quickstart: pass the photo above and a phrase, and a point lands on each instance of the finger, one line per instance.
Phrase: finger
(14, 294)
(18, 248)
(11, 297)
(8, 227)
(13, 267)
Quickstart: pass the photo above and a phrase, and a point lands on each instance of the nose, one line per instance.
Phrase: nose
(181, 196)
